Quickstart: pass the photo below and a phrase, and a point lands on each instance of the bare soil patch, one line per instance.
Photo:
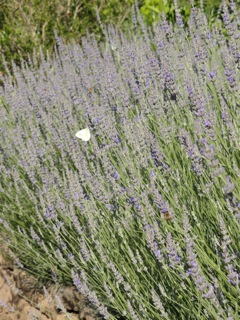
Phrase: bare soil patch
(31, 303)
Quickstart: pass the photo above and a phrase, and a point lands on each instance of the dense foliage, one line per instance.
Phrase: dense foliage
(27, 25)
(144, 217)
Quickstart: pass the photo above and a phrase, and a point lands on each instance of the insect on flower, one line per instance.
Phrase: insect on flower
(83, 134)
(167, 216)
(90, 90)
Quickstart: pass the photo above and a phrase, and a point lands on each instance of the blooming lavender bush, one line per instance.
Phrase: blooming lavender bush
(144, 217)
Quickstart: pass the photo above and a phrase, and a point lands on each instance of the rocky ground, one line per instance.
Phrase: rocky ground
(30, 303)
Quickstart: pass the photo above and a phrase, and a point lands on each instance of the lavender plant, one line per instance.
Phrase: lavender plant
(144, 217)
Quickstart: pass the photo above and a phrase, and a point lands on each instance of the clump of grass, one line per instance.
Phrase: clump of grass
(144, 217)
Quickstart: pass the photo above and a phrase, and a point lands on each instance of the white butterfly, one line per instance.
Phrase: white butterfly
(83, 134)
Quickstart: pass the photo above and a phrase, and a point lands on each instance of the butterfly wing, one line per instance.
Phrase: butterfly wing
(83, 134)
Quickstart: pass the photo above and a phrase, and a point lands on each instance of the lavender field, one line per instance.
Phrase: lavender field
(143, 218)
